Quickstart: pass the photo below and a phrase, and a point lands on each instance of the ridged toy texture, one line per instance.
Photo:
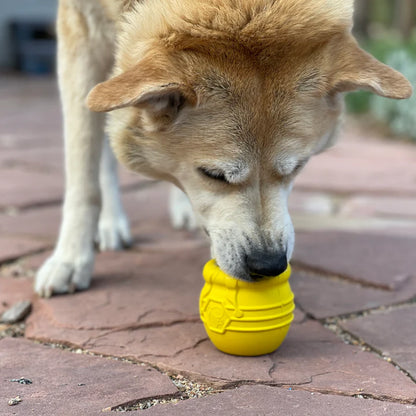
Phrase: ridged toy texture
(246, 318)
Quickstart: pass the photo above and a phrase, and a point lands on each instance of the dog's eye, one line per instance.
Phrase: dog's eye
(213, 174)
(300, 165)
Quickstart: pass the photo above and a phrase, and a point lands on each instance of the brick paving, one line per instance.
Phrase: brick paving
(72, 384)
(134, 340)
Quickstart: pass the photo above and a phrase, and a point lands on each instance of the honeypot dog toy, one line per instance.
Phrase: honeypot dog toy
(245, 318)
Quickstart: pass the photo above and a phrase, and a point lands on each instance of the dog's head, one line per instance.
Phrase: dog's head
(229, 100)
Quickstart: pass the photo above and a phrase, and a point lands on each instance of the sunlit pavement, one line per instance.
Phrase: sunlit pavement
(134, 340)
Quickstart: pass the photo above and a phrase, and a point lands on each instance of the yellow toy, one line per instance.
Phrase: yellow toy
(245, 318)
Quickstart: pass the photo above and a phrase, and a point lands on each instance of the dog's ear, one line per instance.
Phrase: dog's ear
(358, 70)
(160, 95)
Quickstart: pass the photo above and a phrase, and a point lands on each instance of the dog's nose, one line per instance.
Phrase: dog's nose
(261, 264)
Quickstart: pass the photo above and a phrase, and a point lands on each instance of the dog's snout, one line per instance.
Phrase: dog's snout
(262, 264)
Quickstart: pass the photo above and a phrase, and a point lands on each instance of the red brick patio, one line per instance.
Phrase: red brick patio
(135, 338)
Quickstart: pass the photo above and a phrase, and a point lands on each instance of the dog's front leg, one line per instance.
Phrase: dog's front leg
(113, 226)
(181, 213)
(84, 59)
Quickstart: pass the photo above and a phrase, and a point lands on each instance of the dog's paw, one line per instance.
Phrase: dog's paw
(113, 232)
(181, 213)
(58, 276)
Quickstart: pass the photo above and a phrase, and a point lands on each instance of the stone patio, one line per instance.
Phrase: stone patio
(134, 340)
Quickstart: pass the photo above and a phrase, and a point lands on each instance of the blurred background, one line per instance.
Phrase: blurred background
(27, 36)
(386, 28)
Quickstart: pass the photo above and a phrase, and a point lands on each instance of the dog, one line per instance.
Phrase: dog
(225, 99)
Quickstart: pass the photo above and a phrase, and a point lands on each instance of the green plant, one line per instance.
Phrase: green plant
(400, 114)
(401, 55)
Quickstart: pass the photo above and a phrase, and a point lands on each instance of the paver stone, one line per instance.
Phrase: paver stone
(272, 401)
(392, 331)
(64, 383)
(379, 260)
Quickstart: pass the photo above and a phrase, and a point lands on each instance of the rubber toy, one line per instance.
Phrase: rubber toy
(245, 318)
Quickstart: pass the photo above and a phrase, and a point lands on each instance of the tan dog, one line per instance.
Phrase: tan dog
(226, 99)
